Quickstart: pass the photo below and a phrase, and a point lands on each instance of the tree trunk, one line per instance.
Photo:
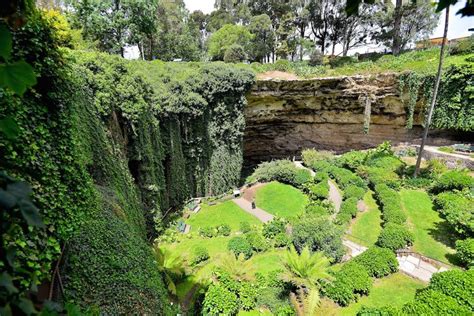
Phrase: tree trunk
(397, 41)
(435, 94)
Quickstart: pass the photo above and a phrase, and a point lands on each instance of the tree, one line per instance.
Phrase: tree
(114, 23)
(301, 13)
(237, 267)
(263, 43)
(170, 266)
(404, 23)
(305, 271)
(320, 17)
(227, 36)
(435, 93)
(319, 234)
(287, 37)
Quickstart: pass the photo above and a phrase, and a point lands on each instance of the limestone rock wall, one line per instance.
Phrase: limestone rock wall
(284, 117)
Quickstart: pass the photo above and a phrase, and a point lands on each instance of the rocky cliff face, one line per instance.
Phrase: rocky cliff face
(284, 117)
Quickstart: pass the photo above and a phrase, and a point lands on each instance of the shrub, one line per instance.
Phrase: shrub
(465, 251)
(274, 227)
(378, 262)
(282, 65)
(456, 208)
(208, 232)
(311, 156)
(248, 293)
(321, 165)
(257, 241)
(321, 177)
(378, 311)
(395, 237)
(387, 163)
(379, 176)
(235, 54)
(456, 284)
(339, 61)
(453, 180)
(200, 255)
(223, 230)
(347, 212)
(429, 302)
(436, 168)
(352, 160)
(283, 171)
(245, 227)
(350, 282)
(464, 46)
(353, 191)
(318, 234)
(240, 245)
(391, 204)
(316, 58)
(316, 209)
(282, 240)
(319, 191)
(302, 176)
(346, 178)
(220, 301)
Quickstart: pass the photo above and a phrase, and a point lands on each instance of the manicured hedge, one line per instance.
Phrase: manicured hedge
(347, 212)
(317, 191)
(430, 302)
(457, 208)
(200, 255)
(346, 178)
(391, 204)
(378, 261)
(283, 171)
(395, 237)
(240, 245)
(453, 180)
(348, 284)
(465, 251)
(457, 284)
(353, 191)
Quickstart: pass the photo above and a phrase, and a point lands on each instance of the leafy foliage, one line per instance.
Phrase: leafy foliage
(465, 251)
(318, 234)
(378, 262)
(240, 245)
(395, 237)
(280, 170)
(349, 283)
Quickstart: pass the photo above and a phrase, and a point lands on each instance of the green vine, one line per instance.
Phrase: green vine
(410, 83)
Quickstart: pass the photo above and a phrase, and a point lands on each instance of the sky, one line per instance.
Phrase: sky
(458, 27)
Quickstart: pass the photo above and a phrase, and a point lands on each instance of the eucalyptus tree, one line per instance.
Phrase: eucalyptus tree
(404, 23)
(114, 24)
(263, 43)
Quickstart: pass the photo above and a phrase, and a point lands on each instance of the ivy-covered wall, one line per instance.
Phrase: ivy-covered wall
(108, 147)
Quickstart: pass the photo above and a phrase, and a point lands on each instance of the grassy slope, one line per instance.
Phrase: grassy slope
(366, 228)
(419, 61)
(426, 225)
(396, 290)
(281, 200)
(226, 213)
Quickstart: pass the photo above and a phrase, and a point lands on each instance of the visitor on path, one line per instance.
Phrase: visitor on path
(253, 204)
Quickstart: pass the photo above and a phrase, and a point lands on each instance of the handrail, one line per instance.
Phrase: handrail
(409, 252)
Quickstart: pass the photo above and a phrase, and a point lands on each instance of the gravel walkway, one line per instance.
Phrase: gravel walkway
(335, 196)
(257, 212)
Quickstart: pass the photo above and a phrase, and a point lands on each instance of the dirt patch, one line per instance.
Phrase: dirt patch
(361, 206)
(249, 193)
(270, 75)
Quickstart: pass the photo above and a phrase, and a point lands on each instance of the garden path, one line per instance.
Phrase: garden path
(257, 212)
(335, 196)
(299, 164)
(411, 263)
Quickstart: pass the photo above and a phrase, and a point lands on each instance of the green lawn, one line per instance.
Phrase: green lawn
(267, 261)
(281, 199)
(431, 235)
(396, 290)
(365, 229)
(225, 213)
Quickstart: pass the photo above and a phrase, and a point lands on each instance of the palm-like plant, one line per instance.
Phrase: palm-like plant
(239, 268)
(171, 266)
(304, 271)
